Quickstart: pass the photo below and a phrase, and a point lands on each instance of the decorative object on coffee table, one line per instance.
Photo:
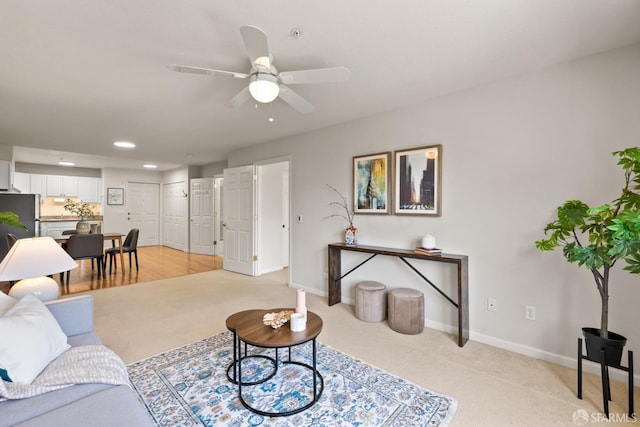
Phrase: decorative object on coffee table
(298, 322)
(301, 302)
(276, 320)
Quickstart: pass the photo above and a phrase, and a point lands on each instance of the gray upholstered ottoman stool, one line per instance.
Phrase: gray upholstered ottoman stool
(370, 301)
(406, 310)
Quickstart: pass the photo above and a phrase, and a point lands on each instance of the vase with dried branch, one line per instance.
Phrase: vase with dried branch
(351, 232)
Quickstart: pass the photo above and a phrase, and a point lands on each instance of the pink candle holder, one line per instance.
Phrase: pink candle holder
(301, 304)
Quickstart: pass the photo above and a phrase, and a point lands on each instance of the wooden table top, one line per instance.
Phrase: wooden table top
(250, 329)
(105, 236)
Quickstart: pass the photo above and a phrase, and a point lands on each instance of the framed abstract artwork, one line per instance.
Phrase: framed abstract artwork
(418, 176)
(372, 183)
(115, 196)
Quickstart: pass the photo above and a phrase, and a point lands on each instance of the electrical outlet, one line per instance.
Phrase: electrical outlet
(530, 312)
(492, 305)
(325, 275)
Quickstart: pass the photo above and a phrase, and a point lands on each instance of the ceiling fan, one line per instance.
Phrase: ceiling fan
(265, 82)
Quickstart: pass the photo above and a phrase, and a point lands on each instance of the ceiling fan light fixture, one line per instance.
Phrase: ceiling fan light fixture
(264, 87)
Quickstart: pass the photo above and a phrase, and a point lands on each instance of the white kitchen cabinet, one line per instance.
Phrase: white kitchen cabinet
(38, 185)
(89, 189)
(62, 186)
(5, 170)
(21, 182)
(55, 228)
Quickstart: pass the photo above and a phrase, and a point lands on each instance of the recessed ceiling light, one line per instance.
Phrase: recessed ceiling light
(124, 144)
(63, 163)
(149, 166)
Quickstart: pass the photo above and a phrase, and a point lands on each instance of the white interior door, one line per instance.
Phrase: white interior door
(272, 233)
(201, 216)
(143, 211)
(175, 220)
(218, 232)
(239, 220)
(285, 219)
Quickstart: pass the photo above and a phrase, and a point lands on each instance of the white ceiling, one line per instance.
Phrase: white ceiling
(76, 75)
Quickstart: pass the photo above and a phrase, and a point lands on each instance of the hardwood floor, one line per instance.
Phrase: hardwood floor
(155, 262)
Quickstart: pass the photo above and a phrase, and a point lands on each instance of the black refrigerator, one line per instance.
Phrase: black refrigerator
(27, 207)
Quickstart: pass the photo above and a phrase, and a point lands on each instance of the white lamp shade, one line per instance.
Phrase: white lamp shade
(34, 257)
(264, 88)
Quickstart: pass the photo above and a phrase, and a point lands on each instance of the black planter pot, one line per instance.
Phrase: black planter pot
(613, 346)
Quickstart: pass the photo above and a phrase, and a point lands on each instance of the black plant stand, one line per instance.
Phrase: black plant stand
(604, 372)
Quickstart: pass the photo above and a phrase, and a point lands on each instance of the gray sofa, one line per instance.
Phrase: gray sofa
(78, 405)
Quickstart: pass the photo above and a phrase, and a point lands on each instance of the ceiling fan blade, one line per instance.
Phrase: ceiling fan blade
(209, 71)
(295, 100)
(255, 43)
(320, 75)
(242, 97)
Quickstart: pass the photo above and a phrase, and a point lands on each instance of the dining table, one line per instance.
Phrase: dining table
(113, 237)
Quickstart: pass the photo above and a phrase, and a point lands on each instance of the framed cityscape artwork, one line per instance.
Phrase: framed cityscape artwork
(418, 175)
(372, 183)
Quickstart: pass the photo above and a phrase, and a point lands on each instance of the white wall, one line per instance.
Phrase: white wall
(512, 152)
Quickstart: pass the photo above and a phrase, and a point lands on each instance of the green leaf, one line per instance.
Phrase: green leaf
(12, 220)
(633, 263)
(572, 214)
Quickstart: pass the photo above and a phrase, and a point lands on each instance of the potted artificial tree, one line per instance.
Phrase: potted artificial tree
(597, 238)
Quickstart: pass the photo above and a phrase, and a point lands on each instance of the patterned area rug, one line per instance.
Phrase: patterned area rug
(188, 386)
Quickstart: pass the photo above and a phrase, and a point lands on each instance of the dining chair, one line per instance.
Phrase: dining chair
(86, 246)
(129, 246)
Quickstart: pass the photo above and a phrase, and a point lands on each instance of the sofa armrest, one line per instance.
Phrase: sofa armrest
(74, 315)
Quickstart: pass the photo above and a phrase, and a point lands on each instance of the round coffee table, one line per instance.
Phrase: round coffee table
(231, 326)
(251, 330)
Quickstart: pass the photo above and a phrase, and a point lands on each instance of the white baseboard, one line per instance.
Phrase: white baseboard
(536, 353)
(271, 270)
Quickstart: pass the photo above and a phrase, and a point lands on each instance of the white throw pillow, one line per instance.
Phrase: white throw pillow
(30, 338)
(6, 302)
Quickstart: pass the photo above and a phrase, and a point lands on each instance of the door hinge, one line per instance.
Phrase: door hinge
(255, 257)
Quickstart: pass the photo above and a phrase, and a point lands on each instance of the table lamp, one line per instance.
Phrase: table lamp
(30, 261)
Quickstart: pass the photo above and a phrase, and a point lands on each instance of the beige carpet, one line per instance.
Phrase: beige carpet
(494, 387)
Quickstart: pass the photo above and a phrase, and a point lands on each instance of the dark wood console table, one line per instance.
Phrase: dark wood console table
(462, 261)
